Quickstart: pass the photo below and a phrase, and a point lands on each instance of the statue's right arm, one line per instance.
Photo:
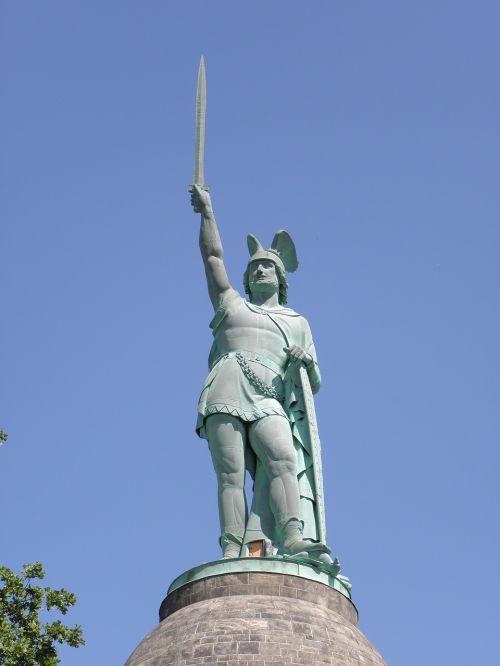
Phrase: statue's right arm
(210, 246)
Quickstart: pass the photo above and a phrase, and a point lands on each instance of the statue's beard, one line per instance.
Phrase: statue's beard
(265, 284)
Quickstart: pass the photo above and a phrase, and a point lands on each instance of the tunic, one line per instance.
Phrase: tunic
(261, 336)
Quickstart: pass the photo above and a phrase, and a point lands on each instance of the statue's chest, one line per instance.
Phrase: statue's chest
(245, 318)
(256, 331)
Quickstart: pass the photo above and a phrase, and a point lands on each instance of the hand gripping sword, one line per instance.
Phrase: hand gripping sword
(201, 104)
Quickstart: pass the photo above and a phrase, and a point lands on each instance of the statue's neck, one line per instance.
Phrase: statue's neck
(265, 300)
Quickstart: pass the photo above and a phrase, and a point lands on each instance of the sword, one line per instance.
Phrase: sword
(315, 452)
(201, 104)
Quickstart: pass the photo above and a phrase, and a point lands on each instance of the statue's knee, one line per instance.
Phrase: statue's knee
(282, 467)
(233, 480)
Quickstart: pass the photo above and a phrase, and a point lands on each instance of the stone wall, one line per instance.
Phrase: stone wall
(256, 619)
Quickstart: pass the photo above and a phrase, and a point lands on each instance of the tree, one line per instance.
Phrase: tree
(25, 640)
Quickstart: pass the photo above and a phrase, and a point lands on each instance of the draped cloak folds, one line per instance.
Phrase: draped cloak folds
(228, 390)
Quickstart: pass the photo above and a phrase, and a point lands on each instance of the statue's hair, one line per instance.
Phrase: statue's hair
(282, 282)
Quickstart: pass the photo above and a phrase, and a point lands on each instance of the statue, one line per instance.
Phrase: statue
(256, 408)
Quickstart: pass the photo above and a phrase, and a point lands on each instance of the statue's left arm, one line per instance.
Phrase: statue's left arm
(308, 358)
(305, 353)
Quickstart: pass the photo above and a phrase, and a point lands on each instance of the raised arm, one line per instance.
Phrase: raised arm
(210, 246)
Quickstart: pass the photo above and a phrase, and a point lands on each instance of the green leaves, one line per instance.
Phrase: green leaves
(24, 639)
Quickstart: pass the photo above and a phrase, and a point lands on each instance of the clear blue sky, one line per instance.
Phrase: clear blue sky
(370, 131)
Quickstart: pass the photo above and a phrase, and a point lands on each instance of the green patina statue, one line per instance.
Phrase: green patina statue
(256, 408)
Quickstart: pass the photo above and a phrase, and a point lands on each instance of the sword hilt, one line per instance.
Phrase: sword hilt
(203, 187)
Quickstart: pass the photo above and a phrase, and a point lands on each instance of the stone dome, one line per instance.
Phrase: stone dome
(256, 619)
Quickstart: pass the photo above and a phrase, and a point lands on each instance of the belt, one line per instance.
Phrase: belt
(252, 356)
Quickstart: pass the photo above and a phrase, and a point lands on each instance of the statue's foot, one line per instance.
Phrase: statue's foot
(269, 549)
(324, 558)
(231, 551)
(231, 546)
(305, 548)
(315, 557)
(293, 543)
(302, 555)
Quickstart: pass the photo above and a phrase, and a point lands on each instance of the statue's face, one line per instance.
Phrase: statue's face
(262, 276)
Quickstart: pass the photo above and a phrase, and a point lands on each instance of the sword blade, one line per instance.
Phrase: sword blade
(201, 103)
(316, 454)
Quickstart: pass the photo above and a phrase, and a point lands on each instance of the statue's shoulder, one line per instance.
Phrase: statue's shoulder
(283, 311)
(288, 312)
(280, 310)
(229, 296)
(229, 299)
(298, 321)
(291, 314)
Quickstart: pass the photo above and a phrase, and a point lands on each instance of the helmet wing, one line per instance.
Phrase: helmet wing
(285, 247)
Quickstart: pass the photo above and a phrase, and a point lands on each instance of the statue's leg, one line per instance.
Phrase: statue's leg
(260, 524)
(226, 439)
(271, 439)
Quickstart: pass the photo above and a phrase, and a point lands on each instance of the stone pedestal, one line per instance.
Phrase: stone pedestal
(255, 618)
